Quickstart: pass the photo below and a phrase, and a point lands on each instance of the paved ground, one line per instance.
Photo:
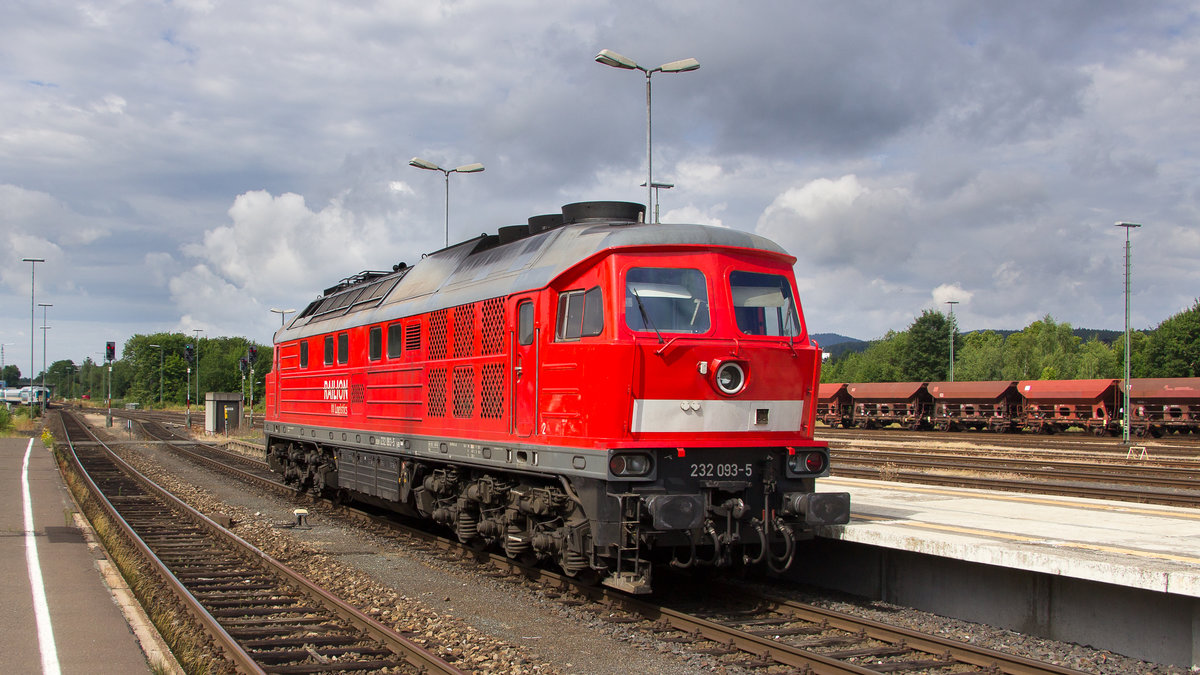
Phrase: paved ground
(80, 629)
(1143, 546)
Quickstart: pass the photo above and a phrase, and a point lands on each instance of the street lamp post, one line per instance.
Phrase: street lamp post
(952, 303)
(32, 293)
(282, 315)
(45, 328)
(657, 187)
(2, 346)
(615, 60)
(197, 331)
(160, 374)
(1125, 381)
(465, 168)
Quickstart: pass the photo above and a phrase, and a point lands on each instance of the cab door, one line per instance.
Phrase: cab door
(525, 367)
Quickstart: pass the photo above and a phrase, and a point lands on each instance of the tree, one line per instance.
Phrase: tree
(980, 358)
(880, 362)
(11, 375)
(927, 354)
(1173, 348)
(1097, 361)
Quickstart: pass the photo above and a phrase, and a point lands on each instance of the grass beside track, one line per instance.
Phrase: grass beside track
(186, 640)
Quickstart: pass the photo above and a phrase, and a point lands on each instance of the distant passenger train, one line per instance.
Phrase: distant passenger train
(23, 396)
(1159, 405)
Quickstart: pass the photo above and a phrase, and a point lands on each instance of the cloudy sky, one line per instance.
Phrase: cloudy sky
(193, 163)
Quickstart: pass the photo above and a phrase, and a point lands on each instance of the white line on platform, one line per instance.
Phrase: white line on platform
(40, 609)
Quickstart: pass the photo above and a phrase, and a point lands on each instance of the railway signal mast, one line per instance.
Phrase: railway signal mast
(1125, 381)
(952, 303)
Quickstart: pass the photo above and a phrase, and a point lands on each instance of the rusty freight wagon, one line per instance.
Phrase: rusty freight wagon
(1057, 405)
(1164, 405)
(990, 405)
(879, 404)
(835, 408)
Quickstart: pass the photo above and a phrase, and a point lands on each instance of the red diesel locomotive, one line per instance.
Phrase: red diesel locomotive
(588, 389)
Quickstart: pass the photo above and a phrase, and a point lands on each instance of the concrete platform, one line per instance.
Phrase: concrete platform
(1114, 575)
(56, 612)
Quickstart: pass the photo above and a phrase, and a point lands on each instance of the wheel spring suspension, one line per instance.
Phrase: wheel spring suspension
(467, 527)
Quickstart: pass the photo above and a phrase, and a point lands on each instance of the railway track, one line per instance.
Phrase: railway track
(756, 630)
(734, 625)
(262, 616)
(1169, 482)
(1172, 446)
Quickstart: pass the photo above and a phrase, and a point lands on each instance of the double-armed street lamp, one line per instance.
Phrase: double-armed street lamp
(430, 166)
(1125, 381)
(657, 187)
(198, 331)
(45, 328)
(282, 315)
(615, 60)
(32, 312)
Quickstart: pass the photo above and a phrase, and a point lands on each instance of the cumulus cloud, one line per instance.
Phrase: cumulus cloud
(275, 249)
(841, 222)
(199, 162)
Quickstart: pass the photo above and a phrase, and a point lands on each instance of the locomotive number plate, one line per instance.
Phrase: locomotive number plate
(722, 470)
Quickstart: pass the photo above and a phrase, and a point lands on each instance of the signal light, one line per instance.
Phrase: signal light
(189, 353)
(630, 465)
(807, 463)
(110, 351)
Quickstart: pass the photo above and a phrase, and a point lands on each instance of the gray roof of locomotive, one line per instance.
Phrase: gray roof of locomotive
(478, 269)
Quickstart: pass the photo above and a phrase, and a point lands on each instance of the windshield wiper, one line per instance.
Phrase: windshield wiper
(645, 317)
(788, 320)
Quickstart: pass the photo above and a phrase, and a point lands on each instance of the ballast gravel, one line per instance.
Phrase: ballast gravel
(497, 625)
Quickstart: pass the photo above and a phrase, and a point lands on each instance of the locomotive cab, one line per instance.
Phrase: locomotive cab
(710, 381)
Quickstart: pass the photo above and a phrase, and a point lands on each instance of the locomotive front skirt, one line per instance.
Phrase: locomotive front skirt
(587, 389)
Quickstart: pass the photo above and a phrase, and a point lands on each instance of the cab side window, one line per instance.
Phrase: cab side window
(580, 314)
(375, 346)
(525, 323)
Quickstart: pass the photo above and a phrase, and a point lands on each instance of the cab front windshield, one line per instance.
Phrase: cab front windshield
(763, 305)
(666, 300)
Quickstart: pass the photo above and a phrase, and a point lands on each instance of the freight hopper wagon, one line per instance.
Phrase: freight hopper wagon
(1057, 405)
(1164, 405)
(588, 389)
(880, 404)
(989, 405)
(835, 407)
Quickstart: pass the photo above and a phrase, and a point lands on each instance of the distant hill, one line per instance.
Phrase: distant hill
(837, 345)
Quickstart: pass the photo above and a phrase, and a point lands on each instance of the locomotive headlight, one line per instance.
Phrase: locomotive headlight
(807, 463)
(729, 377)
(630, 465)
